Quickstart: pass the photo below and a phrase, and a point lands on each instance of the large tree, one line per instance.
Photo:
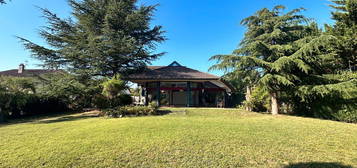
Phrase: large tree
(102, 38)
(333, 92)
(268, 48)
(345, 31)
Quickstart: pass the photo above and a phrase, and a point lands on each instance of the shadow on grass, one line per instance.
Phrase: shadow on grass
(317, 165)
(65, 118)
(28, 119)
(163, 112)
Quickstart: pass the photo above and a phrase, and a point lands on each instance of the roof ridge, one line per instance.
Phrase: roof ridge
(184, 67)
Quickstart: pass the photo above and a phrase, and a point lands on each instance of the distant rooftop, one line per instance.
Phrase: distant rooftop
(22, 72)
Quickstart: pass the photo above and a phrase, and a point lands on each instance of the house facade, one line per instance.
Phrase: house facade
(179, 86)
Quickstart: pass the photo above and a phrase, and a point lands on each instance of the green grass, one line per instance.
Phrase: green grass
(184, 138)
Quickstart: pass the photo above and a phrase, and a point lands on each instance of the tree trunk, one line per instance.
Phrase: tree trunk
(274, 104)
(2, 117)
(248, 97)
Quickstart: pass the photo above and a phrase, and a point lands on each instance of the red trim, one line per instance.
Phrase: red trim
(185, 89)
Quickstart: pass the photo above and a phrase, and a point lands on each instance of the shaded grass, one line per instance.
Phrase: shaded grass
(184, 138)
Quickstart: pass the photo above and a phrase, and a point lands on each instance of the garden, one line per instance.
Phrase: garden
(181, 137)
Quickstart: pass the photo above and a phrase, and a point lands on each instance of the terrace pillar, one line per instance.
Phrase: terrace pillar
(188, 93)
(158, 93)
(200, 95)
(226, 99)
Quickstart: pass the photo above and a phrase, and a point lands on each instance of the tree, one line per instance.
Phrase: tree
(113, 87)
(242, 77)
(345, 31)
(330, 91)
(102, 38)
(268, 48)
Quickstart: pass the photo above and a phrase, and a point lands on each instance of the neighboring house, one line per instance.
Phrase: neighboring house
(177, 85)
(22, 72)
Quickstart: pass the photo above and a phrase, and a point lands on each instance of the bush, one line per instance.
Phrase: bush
(100, 101)
(334, 108)
(346, 114)
(260, 100)
(17, 105)
(50, 93)
(130, 111)
(68, 89)
(125, 100)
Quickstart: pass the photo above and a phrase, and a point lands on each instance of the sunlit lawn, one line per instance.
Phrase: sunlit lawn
(184, 138)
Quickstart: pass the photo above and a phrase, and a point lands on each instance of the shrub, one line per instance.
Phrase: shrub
(125, 100)
(113, 87)
(336, 109)
(130, 111)
(66, 88)
(17, 105)
(113, 90)
(259, 101)
(51, 93)
(346, 114)
(100, 101)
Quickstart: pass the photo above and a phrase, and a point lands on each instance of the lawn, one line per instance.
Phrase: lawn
(183, 138)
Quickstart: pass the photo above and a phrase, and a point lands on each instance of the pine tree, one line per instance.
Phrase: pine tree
(331, 90)
(269, 46)
(102, 38)
(345, 31)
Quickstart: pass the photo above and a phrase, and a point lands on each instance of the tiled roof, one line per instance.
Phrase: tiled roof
(27, 72)
(171, 73)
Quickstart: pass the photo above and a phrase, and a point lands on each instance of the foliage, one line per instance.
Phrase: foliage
(260, 100)
(102, 38)
(50, 93)
(113, 87)
(303, 68)
(187, 137)
(100, 101)
(266, 54)
(125, 99)
(69, 89)
(114, 90)
(23, 85)
(345, 31)
(17, 105)
(130, 111)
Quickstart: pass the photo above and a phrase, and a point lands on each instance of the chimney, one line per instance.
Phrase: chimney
(21, 69)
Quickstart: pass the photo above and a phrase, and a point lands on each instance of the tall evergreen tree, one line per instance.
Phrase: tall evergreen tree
(103, 37)
(345, 31)
(331, 90)
(268, 47)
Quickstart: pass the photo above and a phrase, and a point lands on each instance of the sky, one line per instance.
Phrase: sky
(196, 29)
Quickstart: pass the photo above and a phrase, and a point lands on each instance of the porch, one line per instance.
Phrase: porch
(184, 94)
(179, 86)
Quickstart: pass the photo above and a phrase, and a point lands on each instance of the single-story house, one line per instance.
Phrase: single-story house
(177, 85)
(22, 72)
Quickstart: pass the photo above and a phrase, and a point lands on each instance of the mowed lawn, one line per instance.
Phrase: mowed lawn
(183, 138)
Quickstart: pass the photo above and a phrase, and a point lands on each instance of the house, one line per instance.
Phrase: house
(22, 72)
(177, 85)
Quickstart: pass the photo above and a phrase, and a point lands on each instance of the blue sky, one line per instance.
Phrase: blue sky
(196, 29)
